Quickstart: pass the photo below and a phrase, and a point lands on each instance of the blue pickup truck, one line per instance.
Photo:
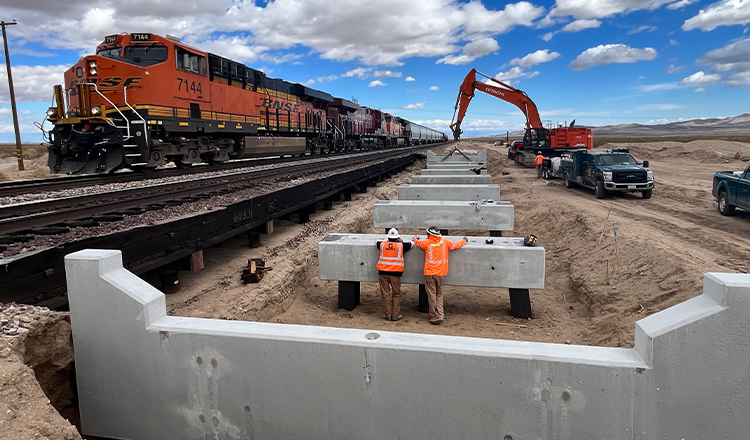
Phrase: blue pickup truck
(732, 190)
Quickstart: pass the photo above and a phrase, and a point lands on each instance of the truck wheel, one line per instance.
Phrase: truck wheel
(647, 193)
(724, 207)
(599, 189)
(568, 183)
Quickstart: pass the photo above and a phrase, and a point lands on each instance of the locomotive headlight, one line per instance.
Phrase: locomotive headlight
(96, 111)
(92, 64)
(92, 68)
(92, 72)
(607, 176)
(52, 112)
(649, 175)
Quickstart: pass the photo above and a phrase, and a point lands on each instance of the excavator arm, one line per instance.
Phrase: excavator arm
(503, 91)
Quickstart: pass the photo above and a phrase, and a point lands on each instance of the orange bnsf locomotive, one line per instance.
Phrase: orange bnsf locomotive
(144, 100)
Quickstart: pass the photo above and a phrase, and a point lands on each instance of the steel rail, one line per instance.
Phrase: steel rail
(25, 216)
(18, 187)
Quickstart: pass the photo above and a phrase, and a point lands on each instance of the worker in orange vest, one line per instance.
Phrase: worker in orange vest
(538, 162)
(390, 268)
(436, 249)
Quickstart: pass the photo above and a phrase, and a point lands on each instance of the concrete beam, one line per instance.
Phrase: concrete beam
(506, 263)
(451, 172)
(421, 214)
(449, 192)
(142, 374)
(454, 165)
(451, 180)
(481, 157)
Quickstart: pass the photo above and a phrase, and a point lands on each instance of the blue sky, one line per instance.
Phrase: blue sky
(601, 62)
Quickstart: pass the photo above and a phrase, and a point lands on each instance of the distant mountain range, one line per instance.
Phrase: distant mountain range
(731, 126)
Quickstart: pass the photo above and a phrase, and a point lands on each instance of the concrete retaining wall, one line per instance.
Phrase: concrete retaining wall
(448, 192)
(148, 376)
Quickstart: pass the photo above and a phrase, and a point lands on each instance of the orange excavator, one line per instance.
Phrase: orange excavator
(551, 142)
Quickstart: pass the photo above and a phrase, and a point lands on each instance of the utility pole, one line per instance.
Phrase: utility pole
(19, 151)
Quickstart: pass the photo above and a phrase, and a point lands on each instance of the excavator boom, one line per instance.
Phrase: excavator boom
(502, 91)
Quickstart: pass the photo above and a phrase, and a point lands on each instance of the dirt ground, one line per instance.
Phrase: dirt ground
(596, 286)
(35, 163)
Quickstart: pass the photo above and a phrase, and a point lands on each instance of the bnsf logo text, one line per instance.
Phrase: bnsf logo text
(288, 106)
(103, 83)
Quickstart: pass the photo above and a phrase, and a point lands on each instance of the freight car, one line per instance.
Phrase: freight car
(144, 100)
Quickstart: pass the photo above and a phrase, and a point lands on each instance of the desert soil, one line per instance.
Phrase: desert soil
(597, 286)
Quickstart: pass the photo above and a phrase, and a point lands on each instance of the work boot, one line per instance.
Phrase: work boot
(397, 318)
(386, 317)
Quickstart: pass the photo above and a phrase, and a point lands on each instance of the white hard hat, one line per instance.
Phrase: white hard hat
(393, 233)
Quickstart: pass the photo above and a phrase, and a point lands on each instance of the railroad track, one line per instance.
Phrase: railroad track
(59, 183)
(58, 215)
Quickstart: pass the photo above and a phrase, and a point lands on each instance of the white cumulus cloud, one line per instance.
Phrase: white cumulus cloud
(471, 52)
(409, 78)
(700, 78)
(581, 9)
(680, 4)
(376, 83)
(413, 106)
(359, 72)
(534, 58)
(699, 90)
(434, 88)
(674, 69)
(31, 83)
(575, 26)
(611, 53)
(723, 13)
(514, 73)
(642, 29)
(386, 73)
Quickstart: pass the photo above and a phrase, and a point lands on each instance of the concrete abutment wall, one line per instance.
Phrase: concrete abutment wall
(145, 375)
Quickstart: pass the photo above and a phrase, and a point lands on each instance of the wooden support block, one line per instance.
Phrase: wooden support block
(348, 196)
(269, 227)
(424, 303)
(349, 292)
(254, 239)
(304, 216)
(170, 281)
(327, 205)
(196, 261)
(520, 303)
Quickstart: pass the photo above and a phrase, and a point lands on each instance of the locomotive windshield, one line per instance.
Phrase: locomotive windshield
(139, 55)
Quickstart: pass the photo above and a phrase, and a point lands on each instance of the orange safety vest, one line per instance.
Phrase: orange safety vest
(436, 254)
(391, 257)
(539, 160)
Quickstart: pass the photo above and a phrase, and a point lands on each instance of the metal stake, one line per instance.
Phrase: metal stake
(19, 151)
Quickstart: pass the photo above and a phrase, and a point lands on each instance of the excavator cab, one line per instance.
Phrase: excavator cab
(536, 138)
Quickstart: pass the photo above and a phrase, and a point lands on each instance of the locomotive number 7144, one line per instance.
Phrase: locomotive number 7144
(189, 86)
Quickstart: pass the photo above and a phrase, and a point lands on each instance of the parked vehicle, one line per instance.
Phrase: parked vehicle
(732, 190)
(513, 149)
(611, 171)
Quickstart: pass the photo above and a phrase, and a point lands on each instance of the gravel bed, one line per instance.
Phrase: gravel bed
(109, 187)
(17, 319)
(170, 212)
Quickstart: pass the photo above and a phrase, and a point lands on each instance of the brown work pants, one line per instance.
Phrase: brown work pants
(434, 286)
(390, 293)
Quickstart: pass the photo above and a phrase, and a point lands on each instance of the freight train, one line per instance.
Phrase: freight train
(144, 100)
